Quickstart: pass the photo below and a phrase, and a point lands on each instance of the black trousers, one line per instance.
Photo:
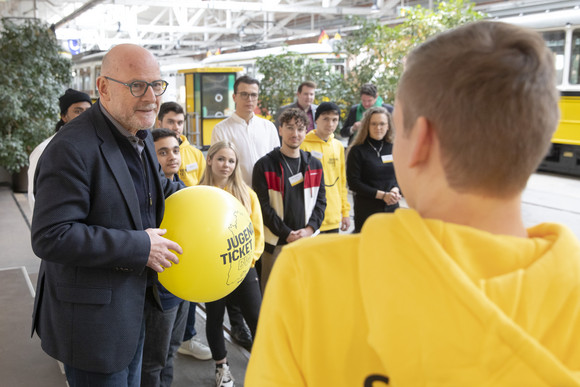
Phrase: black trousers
(248, 296)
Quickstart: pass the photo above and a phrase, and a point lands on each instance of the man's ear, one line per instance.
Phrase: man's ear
(103, 87)
(422, 141)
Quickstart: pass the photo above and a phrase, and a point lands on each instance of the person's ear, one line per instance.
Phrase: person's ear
(422, 136)
(103, 87)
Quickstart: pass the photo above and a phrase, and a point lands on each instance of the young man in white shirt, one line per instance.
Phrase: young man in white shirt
(253, 136)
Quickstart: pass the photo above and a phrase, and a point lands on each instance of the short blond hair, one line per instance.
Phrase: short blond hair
(489, 91)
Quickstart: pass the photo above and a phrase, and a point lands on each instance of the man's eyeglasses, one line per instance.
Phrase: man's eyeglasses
(245, 95)
(139, 88)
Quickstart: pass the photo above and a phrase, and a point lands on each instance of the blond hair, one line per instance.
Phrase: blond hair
(363, 133)
(489, 91)
(235, 184)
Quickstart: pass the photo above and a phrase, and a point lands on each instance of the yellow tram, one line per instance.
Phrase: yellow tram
(561, 31)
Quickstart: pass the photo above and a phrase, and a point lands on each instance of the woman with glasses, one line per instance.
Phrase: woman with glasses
(369, 167)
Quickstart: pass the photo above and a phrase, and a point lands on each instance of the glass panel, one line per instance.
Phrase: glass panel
(217, 90)
(555, 41)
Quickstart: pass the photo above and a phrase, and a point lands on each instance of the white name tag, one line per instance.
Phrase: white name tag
(316, 154)
(387, 159)
(296, 179)
(191, 167)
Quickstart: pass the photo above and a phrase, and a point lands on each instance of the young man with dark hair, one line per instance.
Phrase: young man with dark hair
(369, 97)
(252, 136)
(289, 185)
(454, 291)
(165, 317)
(72, 104)
(322, 145)
(304, 100)
(171, 116)
(192, 165)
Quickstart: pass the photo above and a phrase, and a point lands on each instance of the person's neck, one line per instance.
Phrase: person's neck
(290, 152)
(320, 136)
(305, 108)
(170, 177)
(491, 214)
(220, 182)
(246, 116)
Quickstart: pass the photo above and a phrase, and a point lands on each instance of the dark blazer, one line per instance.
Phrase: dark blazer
(351, 119)
(88, 232)
(313, 107)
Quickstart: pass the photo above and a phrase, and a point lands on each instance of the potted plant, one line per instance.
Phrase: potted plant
(33, 74)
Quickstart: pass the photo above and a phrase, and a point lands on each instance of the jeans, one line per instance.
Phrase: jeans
(128, 377)
(163, 335)
(190, 324)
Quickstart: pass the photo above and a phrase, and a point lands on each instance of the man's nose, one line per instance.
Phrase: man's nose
(149, 94)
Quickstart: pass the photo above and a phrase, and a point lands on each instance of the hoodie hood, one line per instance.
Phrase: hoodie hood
(312, 137)
(464, 303)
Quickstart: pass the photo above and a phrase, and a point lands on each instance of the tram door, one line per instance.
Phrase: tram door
(208, 96)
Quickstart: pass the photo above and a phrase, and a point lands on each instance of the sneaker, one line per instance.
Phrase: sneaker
(195, 348)
(242, 336)
(223, 376)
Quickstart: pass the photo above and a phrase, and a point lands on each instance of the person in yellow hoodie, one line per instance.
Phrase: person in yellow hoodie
(454, 291)
(321, 144)
(171, 116)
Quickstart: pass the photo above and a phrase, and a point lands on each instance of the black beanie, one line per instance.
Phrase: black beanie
(72, 96)
(326, 107)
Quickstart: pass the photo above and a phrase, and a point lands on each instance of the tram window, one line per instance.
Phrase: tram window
(555, 41)
(217, 92)
(95, 90)
(575, 58)
(85, 80)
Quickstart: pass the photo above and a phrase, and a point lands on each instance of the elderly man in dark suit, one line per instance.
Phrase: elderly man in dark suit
(99, 202)
(304, 98)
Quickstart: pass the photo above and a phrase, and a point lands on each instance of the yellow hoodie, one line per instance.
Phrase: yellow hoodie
(331, 155)
(192, 163)
(420, 302)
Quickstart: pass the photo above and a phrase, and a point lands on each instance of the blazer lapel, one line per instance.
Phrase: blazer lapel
(118, 166)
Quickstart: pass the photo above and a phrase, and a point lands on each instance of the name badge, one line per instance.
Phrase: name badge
(387, 159)
(296, 179)
(191, 167)
(316, 154)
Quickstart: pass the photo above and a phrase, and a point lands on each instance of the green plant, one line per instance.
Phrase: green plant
(283, 74)
(32, 75)
(376, 52)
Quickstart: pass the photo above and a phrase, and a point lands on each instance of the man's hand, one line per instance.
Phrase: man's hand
(345, 224)
(160, 255)
(305, 232)
(293, 236)
(356, 126)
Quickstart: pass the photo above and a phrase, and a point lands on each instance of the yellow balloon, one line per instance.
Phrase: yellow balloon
(217, 236)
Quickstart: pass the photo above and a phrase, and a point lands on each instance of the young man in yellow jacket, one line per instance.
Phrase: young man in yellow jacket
(172, 116)
(322, 145)
(454, 291)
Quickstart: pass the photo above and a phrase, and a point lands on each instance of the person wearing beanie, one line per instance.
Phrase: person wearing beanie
(369, 97)
(322, 145)
(72, 104)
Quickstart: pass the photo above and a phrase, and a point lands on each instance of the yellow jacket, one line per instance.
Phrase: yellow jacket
(331, 155)
(192, 163)
(422, 303)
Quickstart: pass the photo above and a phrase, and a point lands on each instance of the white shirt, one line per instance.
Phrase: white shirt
(33, 160)
(252, 140)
